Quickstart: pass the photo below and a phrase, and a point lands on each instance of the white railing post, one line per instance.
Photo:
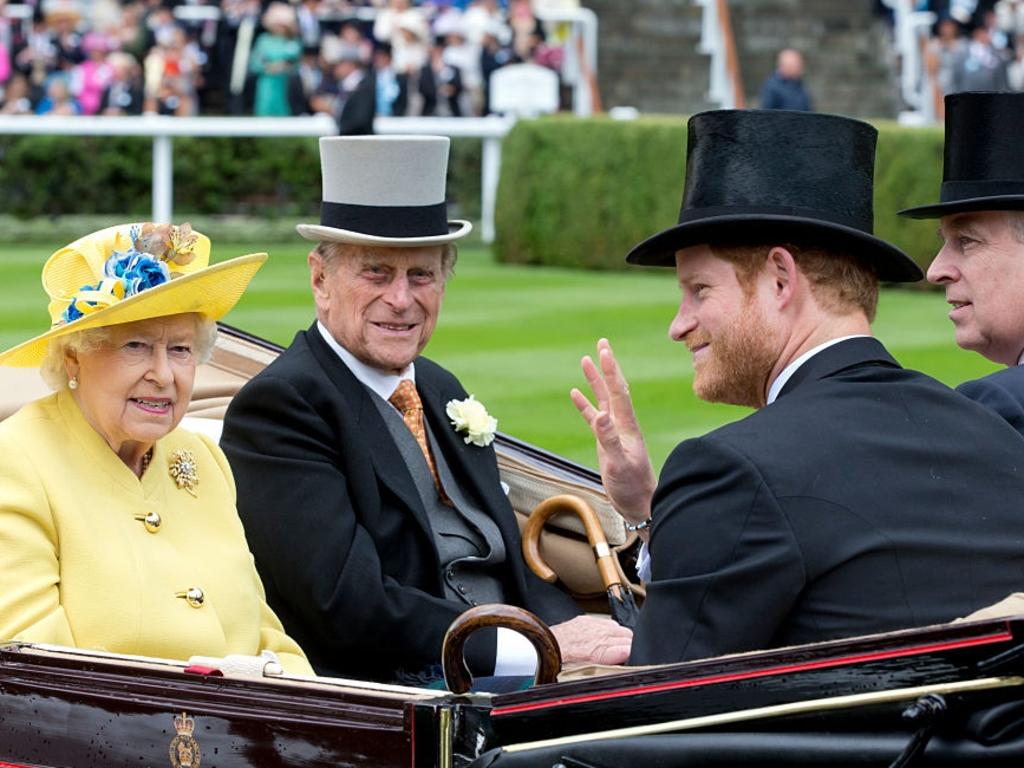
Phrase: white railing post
(163, 179)
(712, 43)
(910, 28)
(490, 171)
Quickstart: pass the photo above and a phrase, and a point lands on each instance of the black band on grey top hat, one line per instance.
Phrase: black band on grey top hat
(384, 190)
(386, 220)
(983, 157)
(756, 174)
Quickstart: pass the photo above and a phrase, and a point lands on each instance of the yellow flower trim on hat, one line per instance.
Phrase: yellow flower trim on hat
(146, 256)
(133, 272)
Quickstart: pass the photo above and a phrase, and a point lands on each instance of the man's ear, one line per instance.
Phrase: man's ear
(317, 275)
(782, 271)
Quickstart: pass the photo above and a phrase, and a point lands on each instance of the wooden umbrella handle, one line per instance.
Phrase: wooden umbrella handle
(457, 676)
(591, 524)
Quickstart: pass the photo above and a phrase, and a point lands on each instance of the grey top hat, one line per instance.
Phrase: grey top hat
(384, 190)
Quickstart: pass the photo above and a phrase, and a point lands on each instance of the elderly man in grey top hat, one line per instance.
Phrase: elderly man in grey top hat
(375, 517)
(981, 223)
(860, 496)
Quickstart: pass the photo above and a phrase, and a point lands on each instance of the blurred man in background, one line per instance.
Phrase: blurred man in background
(784, 88)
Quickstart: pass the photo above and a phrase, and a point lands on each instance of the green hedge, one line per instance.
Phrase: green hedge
(581, 193)
(53, 176)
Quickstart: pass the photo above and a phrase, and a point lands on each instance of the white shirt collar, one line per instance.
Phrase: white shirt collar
(789, 370)
(381, 382)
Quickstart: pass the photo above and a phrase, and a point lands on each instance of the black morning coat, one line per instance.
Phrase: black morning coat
(336, 525)
(1002, 392)
(867, 498)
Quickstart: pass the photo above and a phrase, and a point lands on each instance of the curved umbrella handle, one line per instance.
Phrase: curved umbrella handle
(457, 676)
(595, 535)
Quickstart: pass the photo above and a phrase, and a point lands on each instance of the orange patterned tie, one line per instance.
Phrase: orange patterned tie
(407, 400)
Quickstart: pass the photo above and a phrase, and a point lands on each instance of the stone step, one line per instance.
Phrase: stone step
(649, 58)
(648, 55)
(847, 52)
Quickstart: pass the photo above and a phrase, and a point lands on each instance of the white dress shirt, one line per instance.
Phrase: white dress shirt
(515, 654)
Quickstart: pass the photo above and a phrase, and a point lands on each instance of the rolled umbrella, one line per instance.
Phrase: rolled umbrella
(458, 678)
(620, 597)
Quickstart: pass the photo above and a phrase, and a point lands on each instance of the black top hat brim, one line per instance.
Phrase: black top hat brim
(890, 263)
(983, 157)
(992, 203)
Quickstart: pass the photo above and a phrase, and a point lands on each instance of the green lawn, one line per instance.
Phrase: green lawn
(515, 335)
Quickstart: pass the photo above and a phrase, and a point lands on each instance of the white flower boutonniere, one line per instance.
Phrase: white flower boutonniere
(471, 417)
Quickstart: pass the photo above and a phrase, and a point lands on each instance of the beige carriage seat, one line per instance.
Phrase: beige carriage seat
(20, 386)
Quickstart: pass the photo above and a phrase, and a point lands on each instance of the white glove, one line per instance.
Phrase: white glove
(238, 665)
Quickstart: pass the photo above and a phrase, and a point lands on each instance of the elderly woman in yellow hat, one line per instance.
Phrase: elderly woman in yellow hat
(118, 530)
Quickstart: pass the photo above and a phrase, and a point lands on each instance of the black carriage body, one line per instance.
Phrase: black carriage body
(79, 711)
(832, 704)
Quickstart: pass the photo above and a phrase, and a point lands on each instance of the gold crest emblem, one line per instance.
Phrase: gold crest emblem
(183, 470)
(184, 749)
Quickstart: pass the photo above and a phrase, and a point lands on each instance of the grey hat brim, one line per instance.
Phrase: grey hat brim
(457, 229)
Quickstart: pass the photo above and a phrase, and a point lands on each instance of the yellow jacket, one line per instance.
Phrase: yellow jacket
(78, 568)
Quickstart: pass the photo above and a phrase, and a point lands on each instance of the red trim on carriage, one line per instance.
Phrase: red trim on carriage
(752, 674)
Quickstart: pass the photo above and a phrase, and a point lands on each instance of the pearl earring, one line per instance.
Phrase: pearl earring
(73, 382)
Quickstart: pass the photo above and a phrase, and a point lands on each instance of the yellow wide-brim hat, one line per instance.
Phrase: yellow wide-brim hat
(75, 274)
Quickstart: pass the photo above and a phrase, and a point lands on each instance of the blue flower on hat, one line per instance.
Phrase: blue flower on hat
(72, 312)
(125, 274)
(138, 271)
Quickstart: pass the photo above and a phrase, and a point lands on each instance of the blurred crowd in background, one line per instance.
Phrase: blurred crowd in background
(246, 57)
(978, 45)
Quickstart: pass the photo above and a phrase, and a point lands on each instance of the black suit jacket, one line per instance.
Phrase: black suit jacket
(867, 498)
(338, 530)
(1002, 392)
(360, 107)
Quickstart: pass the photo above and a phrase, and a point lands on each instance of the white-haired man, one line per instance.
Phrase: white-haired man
(373, 520)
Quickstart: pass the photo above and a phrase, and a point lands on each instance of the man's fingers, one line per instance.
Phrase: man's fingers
(619, 401)
(595, 381)
(583, 405)
(612, 654)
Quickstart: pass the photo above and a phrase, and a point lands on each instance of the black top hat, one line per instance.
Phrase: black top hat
(983, 164)
(752, 174)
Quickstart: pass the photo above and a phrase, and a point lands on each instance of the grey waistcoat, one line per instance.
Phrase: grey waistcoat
(468, 542)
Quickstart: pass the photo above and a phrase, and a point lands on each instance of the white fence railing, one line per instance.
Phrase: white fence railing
(723, 86)
(163, 129)
(911, 31)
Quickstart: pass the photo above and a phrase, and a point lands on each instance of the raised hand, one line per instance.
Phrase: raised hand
(621, 452)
